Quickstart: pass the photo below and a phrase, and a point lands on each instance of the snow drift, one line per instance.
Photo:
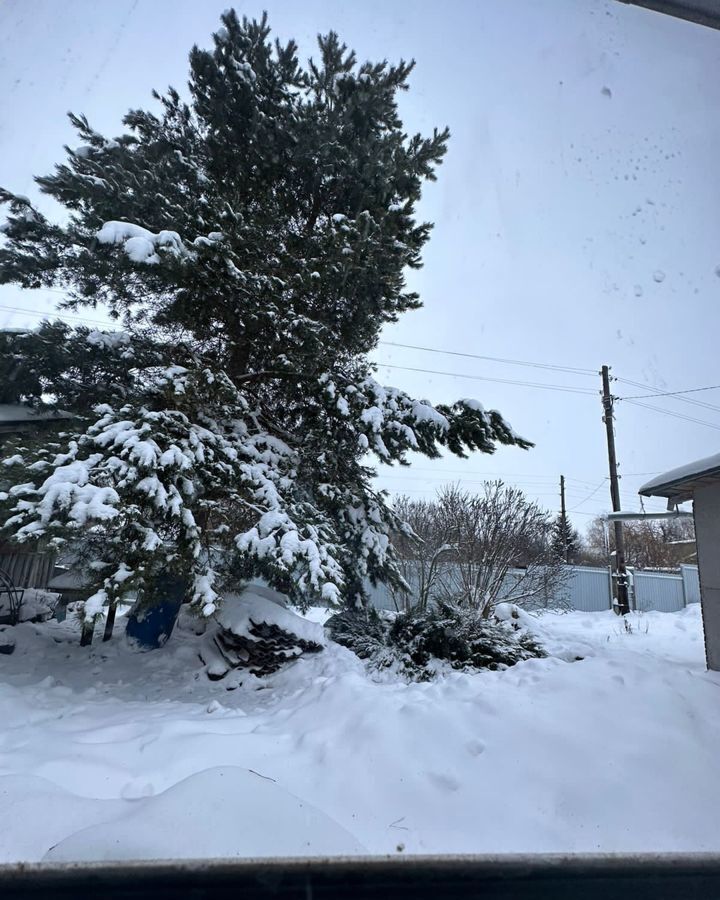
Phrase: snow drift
(106, 753)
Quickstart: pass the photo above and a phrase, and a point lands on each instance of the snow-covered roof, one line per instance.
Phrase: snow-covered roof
(17, 413)
(680, 483)
(70, 580)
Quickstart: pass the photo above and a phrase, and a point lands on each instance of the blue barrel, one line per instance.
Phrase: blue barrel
(151, 621)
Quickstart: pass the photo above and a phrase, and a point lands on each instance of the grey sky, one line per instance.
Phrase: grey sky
(576, 215)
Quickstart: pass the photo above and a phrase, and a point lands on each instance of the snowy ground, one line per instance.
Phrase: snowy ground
(114, 754)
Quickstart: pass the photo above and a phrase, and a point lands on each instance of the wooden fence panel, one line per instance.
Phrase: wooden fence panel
(28, 570)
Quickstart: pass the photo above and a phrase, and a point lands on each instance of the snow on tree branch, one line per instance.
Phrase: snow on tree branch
(390, 423)
(140, 244)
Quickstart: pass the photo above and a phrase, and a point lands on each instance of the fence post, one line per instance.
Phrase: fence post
(632, 592)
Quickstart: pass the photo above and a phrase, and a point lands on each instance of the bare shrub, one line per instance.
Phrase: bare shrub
(476, 550)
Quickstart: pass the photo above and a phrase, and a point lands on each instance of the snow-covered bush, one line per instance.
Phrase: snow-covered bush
(418, 642)
(460, 637)
(364, 631)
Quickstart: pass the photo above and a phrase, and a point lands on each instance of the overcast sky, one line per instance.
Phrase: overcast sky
(576, 217)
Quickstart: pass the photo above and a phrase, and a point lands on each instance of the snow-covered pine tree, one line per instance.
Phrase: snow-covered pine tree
(252, 241)
(565, 539)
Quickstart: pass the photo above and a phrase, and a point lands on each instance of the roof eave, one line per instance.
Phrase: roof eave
(682, 489)
(701, 12)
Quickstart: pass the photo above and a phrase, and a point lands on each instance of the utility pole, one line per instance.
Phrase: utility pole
(564, 521)
(623, 605)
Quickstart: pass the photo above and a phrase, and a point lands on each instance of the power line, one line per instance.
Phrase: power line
(523, 475)
(533, 384)
(525, 488)
(53, 313)
(538, 385)
(533, 485)
(711, 387)
(657, 391)
(513, 362)
(528, 483)
(675, 415)
(526, 477)
(536, 488)
(589, 496)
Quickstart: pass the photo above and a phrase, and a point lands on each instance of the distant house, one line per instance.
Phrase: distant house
(699, 481)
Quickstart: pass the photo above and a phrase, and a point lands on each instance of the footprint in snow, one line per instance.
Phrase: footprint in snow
(137, 790)
(475, 748)
(443, 782)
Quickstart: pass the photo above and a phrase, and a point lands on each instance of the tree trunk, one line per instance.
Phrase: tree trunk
(110, 621)
(86, 635)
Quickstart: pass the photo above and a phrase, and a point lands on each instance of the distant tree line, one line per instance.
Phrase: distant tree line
(480, 549)
(650, 544)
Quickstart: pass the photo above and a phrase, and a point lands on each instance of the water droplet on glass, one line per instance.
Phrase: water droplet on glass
(659, 276)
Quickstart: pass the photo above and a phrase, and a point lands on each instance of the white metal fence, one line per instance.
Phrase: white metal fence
(590, 589)
(691, 580)
(658, 591)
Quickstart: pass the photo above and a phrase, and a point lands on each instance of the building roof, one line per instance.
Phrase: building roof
(681, 483)
(18, 414)
(702, 12)
(69, 580)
